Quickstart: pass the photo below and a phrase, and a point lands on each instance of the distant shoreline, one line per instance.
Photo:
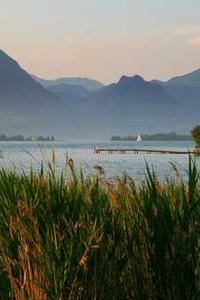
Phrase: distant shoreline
(154, 137)
(21, 138)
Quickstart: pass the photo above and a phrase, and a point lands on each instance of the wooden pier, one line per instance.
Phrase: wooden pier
(139, 151)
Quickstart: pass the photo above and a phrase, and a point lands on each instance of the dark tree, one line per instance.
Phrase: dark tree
(196, 135)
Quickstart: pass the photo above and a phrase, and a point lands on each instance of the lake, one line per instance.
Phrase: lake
(23, 155)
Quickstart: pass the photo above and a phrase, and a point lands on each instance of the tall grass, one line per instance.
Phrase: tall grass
(86, 238)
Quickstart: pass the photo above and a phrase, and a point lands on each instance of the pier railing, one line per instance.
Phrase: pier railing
(141, 151)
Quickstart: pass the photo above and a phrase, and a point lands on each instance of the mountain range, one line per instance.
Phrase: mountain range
(85, 82)
(75, 108)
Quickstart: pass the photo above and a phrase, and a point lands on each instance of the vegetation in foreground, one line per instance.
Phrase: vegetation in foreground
(86, 238)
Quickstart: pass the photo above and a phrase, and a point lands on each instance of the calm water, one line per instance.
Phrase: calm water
(22, 155)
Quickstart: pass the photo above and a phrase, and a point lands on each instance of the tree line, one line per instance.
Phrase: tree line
(172, 136)
(21, 138)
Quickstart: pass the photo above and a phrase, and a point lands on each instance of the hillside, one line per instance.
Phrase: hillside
(133, 103)
(86, 83)
(25, 106)
(18, 91)
(68, 92)
(71, 111)
(190, 79)
(185, 88)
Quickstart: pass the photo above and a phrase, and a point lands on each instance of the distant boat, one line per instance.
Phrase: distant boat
(139, 138)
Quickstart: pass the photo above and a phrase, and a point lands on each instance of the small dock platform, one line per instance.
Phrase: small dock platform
(139, 151)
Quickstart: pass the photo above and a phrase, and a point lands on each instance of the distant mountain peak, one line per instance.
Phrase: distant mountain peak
(127, 80)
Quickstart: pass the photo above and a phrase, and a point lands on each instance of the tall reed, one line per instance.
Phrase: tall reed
(85, 238)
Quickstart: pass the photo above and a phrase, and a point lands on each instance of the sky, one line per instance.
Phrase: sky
(102, 39)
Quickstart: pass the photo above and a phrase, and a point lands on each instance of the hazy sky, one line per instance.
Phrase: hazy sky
(102, 39)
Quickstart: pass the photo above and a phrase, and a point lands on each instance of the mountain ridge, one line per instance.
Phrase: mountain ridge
(132, 103)
(17, 86)
(85, 82)
(191, 79)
